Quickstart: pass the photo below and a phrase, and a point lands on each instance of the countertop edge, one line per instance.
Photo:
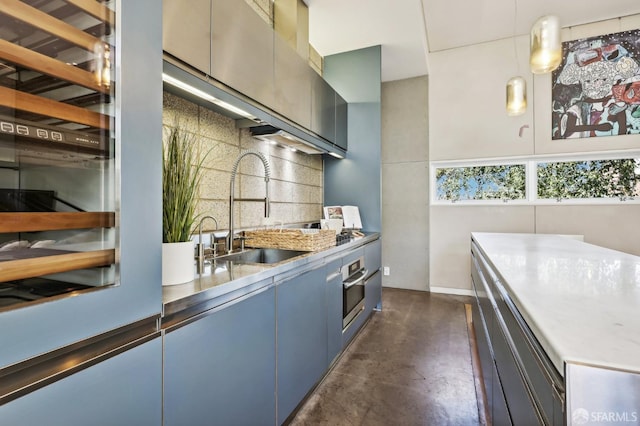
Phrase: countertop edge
(553, 342)
(199, 301)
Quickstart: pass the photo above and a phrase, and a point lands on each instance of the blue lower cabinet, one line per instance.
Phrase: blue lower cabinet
(220, 368)
(302, 337)
(334, 310)
(122, 390)
(373, 293)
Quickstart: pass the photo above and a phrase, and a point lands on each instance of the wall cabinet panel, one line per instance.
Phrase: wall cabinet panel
(186, 32)
(242, 50)
(292, 84)
(323, 107)
(342, 117)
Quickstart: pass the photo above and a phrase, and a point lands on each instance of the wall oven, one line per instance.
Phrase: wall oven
(353, 276)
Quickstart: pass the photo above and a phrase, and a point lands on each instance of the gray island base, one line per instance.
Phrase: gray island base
(557, 322)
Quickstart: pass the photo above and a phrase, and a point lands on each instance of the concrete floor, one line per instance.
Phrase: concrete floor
(410, 365)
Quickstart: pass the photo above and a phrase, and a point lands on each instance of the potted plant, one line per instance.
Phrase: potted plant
(181, 175)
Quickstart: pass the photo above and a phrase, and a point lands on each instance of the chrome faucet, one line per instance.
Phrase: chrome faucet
(232, 199)
(201, 255)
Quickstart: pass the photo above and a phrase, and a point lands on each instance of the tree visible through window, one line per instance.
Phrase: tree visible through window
(492, 182)
(589, 179)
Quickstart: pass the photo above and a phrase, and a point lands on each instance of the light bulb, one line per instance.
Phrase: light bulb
(546, 48)
(516, 96)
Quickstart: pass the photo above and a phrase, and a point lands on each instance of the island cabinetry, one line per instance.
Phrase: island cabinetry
(301, 336)
(521, 384)
(219, 366)
(334, 309)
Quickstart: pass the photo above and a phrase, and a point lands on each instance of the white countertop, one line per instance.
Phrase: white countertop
(582, 302)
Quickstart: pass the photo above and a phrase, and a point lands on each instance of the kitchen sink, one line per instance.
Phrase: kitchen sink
(261, 255)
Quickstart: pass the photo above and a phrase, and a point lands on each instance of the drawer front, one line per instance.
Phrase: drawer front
(545, 382)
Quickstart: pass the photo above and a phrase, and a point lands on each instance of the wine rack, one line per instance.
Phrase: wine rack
(57, 144)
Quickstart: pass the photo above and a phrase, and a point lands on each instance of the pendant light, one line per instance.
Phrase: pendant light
(516, 86)
(546, 49)
(516, 96)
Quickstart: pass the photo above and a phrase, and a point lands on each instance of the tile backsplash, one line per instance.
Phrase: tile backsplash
(295, 187)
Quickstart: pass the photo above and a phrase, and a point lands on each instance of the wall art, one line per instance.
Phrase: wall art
(596, 88)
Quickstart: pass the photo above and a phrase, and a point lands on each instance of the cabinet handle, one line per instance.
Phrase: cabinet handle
(350, 284)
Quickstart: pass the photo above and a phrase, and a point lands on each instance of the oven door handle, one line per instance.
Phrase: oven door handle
(350, 284)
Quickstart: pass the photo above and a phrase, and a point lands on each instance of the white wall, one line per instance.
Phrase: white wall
(467, 120)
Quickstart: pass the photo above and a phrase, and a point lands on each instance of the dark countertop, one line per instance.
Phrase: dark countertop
(225, 281)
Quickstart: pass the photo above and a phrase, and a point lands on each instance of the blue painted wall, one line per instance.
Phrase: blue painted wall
(356, 180)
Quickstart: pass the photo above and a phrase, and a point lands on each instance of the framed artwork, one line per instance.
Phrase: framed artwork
(596, 89)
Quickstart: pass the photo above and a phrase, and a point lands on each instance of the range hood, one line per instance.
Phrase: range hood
(277, 136)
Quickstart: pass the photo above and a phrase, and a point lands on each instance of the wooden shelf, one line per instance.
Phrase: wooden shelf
(36, 104)
(95, 9)
(48, 23)
(30, 222)
(28, 268)
(44, 64)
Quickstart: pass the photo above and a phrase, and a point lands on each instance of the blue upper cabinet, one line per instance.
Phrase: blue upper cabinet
(80, 227)
(342, 117)
(323, 109)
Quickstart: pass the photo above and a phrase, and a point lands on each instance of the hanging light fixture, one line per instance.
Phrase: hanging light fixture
(516, 86)
(546, 49)
(516, 96)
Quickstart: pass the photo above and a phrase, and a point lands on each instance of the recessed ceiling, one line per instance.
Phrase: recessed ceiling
(408, 30)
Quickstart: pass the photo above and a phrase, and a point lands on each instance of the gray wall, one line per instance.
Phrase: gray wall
(405, 174)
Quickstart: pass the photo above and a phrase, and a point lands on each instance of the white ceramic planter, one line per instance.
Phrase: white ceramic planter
(177, 263)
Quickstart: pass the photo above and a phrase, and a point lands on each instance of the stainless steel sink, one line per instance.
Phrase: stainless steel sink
(260, 255)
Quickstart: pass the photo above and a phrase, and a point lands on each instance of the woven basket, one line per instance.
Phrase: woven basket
(291, 239)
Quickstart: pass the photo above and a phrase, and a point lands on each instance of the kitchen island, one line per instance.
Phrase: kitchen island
(563, 316)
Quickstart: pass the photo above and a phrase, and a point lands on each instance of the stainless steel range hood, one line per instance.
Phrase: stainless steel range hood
(277, 136)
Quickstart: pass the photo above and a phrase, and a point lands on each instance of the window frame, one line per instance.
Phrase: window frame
(531, 176)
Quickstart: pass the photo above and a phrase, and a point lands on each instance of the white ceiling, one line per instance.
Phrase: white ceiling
(408, 30)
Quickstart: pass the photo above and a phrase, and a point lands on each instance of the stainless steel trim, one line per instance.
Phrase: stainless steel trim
(35, 373)
(350, 318)
(363, 273)
(179, 322)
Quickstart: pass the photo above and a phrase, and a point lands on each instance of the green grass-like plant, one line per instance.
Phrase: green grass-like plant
(181, 176)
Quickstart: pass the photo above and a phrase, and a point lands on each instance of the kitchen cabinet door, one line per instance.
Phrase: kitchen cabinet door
(220, 368)
(323, 108)
(186, 32)
(292, 84)
(302, 337)
(242, 50)
(334, 310)
(373, 293)
(342, 116)
(123, 390)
